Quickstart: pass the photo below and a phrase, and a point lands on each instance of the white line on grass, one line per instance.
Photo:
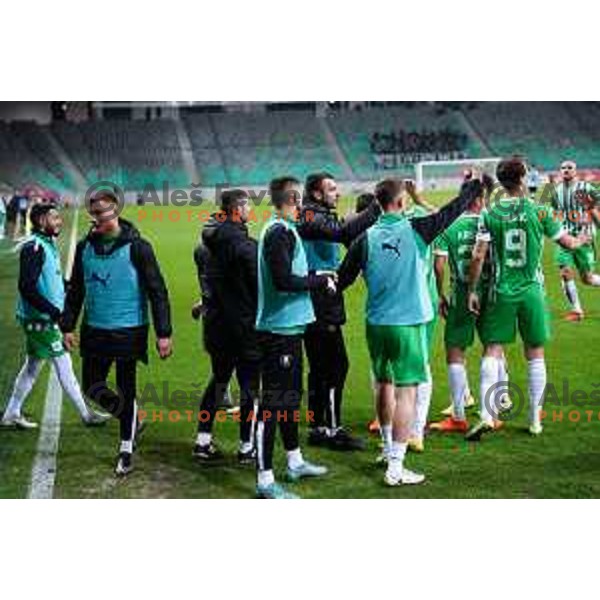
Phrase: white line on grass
(43, 472)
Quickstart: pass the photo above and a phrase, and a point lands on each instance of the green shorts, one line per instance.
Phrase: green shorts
(43, 340)
(461, 323)
(583, 259)
(398, 353)
(526, 311)
(430, 330)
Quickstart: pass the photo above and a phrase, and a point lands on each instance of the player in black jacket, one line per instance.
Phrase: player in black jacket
(115, 277)
(226, 261)
(322, 232)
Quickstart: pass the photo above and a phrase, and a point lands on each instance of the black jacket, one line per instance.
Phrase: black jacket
(226, 262)
(319, 223)
(128, 342)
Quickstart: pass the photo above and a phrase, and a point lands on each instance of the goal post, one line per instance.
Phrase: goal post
(449, 174)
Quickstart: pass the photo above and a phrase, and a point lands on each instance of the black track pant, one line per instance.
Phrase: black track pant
(248, 376)
(281, 396)
(120, 402)
(328, 364)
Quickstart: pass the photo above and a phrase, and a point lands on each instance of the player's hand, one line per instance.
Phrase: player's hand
(443, 307)
(583, 239)
(69, 341)
(411, 188)
(164, 347)
(198, 311)
(474, 303)
(332, 285)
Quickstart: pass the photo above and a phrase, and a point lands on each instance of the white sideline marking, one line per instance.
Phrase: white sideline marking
(43, 472)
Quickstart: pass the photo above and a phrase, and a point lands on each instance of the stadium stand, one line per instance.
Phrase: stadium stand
(355, 129)
(20, 166)
(249, 148)
(209, 160)
(257, 146)
(544, 132)
(131, 154)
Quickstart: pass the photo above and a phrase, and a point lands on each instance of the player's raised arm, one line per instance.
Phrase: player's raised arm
(418, 198)
(431, 226)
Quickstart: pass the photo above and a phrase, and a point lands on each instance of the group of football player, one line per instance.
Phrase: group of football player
(268, 302)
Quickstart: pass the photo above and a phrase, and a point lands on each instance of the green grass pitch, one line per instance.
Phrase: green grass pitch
(564, 462)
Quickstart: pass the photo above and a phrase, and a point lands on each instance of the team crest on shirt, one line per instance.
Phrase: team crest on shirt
(395, 248)
(285, 361)
(102, 280)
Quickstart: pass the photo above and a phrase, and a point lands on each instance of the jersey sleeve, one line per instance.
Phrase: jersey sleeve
(551, 227)
(440, 247)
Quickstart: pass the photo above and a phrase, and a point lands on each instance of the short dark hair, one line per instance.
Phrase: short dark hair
(364, 201)
(105, 195)
(387, 191)
(279, 187)
(511, 172)
(230, 200)
(38, 211)
(314, 182)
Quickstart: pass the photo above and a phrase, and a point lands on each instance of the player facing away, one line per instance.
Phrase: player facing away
(284, 311)
(570, 200)
(39, 308)
(115, 276)
(455, 248)
(226, 261)
(392, 256)
(420, 208)
(513, 228)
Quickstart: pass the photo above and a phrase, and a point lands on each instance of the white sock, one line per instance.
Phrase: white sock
(246, 447)
(127, 446)
(386, 438)
(396, 457)
(467, 386)
(23, 384)
(424, 392)
(204, 439)
(489, 378)
(595, 280)
(570, 290)
(457, 377)
(265, 478)
(64, 369)
(295, 459)
(503, 379)
(537, 385)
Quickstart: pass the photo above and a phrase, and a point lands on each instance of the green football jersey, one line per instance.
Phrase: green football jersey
(457, 243)
(567, 199)
(515, 229)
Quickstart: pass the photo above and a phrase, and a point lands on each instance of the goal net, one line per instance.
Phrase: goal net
(449, 174)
